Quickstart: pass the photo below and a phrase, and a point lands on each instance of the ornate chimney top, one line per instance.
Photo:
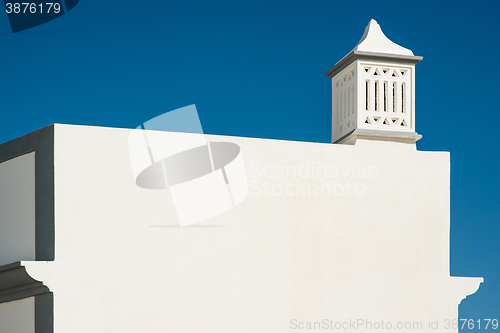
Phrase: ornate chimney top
(374, 91)
(375, 41)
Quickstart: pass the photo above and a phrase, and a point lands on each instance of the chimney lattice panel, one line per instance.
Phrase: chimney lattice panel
(374, 96)
(344, 102)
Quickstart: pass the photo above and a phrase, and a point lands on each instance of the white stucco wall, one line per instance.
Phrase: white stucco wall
(377, 251)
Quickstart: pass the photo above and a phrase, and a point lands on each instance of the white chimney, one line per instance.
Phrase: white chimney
(374, 91)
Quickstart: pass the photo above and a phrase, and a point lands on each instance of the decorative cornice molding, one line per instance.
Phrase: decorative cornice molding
(16, 283)
(371, 56)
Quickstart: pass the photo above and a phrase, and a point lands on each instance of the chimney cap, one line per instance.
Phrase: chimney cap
(375, 41)
(374, 45)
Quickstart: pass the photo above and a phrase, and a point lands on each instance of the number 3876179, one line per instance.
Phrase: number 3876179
(32, 8)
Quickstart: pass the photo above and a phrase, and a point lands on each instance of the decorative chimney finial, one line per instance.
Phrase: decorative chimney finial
(374, 91)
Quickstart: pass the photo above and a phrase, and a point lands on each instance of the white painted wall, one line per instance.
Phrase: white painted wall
(17, 209)
(378, 251)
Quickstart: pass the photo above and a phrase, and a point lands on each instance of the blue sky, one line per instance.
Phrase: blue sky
(256, 68)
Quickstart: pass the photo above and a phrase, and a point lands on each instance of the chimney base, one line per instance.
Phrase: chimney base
(365, 134)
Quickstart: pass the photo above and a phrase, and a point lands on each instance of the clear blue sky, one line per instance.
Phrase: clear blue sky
(256, 68)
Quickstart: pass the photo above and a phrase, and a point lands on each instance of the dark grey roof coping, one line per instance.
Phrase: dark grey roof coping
(361, 55)
(41, 142)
